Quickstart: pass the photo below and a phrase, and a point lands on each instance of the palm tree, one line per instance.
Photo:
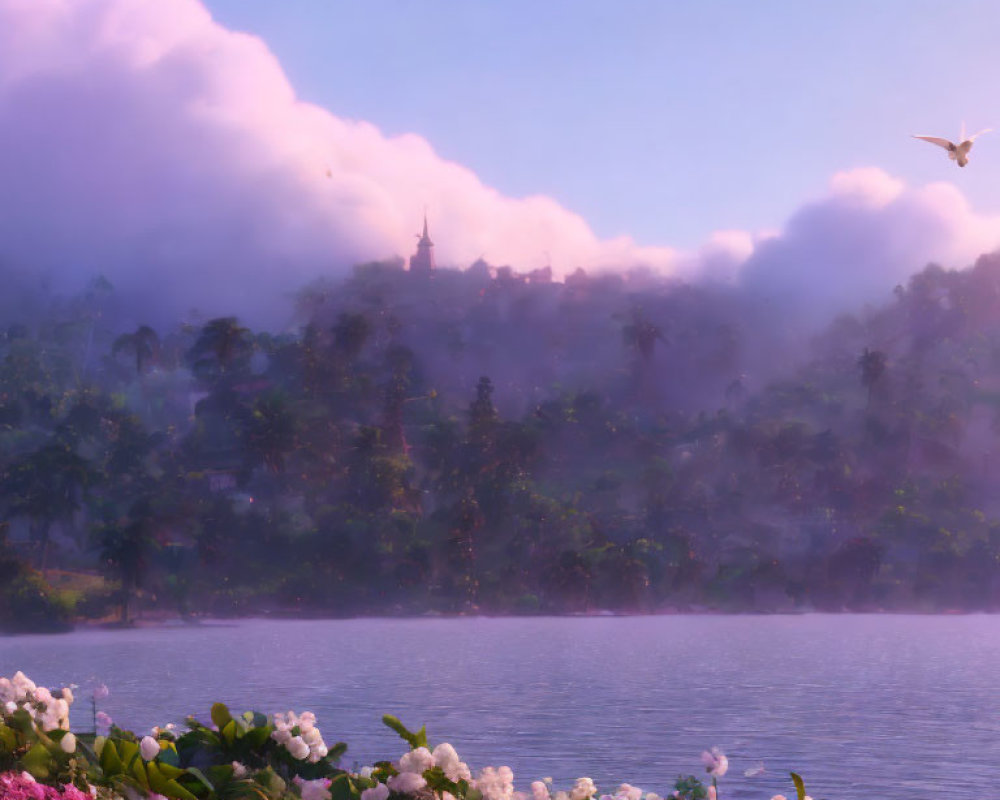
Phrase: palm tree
(872, 364)
(221, 349)
(45, 486)
(126, 546)
(144, 344)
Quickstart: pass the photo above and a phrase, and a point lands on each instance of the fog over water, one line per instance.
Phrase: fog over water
(894, 707)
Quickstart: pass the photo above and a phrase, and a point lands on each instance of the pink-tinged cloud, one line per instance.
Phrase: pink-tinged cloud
(143, 141)
(868, 234)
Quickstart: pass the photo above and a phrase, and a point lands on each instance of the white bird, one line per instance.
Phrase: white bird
(956, 152)
(753, 772)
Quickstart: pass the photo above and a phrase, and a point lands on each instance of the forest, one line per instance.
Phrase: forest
(481, 441)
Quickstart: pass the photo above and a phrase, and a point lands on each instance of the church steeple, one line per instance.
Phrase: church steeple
(423, 260)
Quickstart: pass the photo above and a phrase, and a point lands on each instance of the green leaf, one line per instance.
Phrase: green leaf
(415, 740)
(800, 786)
(111, 762)
(340, 788)
(37, 761)
(228, 731)
(8, 739)
(334, 753)
(256, 737)
(200, 776)
(221, 715)
(138, 769)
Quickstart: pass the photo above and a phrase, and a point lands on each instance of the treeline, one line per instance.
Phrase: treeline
(487, 441)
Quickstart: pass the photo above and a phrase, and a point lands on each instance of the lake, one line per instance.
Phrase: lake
(863, 706)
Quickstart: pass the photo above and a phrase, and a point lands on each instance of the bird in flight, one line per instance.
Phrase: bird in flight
(956, 152)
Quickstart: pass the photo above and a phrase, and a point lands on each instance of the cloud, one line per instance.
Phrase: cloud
(869, 233)
(141, 140)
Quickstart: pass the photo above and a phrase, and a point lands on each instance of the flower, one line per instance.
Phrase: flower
(297, 747)
(627, 791)
(68, 743)
(715, 761)
(417, 760)
(446, 758)
(149, 748)
(496, 784)
(713, 793)
(378, 792)
(582, 789)
(406, 782)
(103, 721)
(101, 692)
(314, 790)
(240, 770)
(365, 772)
(539, 791)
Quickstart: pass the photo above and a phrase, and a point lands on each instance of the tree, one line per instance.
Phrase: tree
(144, 345)
(126, 547)
(222, 348)
(872, 364)
(45, 486)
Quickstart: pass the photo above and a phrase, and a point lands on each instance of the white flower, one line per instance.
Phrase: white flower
(417, 761)
(779, 797)
(715, 761)
(539, 791)
(67, 695)
(239, 770)
(281, 736)
(378, 792)
(713, 793)
(311, 736)
(68, 743)
(496, 784)
(446, 758)
(314, 790)
(10, 706)
(652, 796)
(306, 721)
(627, 791)
(104, 721)
(298, 748)
(149, 748)
(582, 789)
(561, 795)
(406, 782)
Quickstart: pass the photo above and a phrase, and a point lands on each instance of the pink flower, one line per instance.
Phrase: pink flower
(406, 783)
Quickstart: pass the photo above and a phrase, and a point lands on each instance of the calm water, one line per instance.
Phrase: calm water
(863, 706)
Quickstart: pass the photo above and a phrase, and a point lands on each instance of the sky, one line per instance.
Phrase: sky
(218, 154)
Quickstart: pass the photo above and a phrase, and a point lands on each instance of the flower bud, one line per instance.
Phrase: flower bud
(149, 748)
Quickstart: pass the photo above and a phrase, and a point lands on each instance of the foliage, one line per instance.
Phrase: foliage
(483, 442)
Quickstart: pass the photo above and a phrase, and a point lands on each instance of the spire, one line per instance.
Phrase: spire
(423, 260)
(424, 238)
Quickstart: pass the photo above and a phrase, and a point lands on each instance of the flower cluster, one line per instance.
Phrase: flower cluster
(48, 710)
(298, 734)
(22, 786)
(496, 784)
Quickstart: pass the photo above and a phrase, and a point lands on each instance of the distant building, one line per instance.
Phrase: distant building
(422, 262)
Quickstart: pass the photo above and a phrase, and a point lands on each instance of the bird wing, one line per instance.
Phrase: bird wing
(973, 137)
(936, 140)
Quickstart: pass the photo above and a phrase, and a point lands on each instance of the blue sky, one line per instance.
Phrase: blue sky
(663, 120)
